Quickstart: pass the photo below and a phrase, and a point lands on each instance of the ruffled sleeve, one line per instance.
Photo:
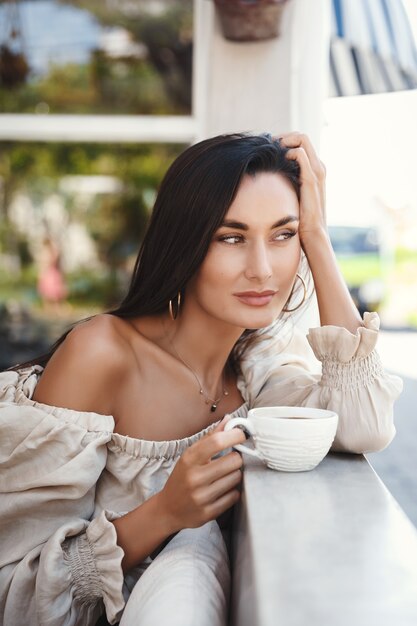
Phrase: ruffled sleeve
(59, 563)
(350, 381)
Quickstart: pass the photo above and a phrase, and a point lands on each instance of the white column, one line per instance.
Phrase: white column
(276, 85)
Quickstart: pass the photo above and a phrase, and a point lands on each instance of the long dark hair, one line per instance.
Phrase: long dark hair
(194, 197)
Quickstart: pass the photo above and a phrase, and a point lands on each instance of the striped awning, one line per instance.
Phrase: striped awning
(372, 48)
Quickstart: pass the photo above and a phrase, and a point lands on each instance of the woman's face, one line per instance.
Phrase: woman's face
(249, 270)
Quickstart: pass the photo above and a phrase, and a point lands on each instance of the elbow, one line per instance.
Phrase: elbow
(363, 443)
(381, 440)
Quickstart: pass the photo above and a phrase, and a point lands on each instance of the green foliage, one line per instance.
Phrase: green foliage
(115, 221)
(156, 82)
(24, 163)
(98, 289)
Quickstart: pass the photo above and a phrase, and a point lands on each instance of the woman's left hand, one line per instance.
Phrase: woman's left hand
(313, 184)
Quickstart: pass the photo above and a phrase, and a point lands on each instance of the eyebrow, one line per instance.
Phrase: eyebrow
(241, 226)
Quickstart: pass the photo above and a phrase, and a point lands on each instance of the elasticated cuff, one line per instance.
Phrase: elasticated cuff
(356, 373)
(95, 561)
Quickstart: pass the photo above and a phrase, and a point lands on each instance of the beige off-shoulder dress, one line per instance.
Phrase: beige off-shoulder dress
(64, 475)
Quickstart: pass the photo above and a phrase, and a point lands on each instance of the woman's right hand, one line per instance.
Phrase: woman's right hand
(201, 488)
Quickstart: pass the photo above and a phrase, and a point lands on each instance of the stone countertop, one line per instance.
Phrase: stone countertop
(325, 547)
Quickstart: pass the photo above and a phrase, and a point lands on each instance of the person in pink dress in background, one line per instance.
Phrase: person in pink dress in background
(51, 285)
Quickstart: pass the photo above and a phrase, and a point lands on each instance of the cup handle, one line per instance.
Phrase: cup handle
(243, 421)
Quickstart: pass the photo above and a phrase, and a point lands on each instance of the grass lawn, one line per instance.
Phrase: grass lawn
(398, 275)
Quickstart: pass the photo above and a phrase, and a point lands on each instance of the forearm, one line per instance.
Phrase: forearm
(141, 531)
(336, 306)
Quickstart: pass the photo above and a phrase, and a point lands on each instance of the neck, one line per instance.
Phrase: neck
(203, 342)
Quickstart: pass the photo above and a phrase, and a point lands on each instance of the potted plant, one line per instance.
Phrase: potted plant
(250, 20)
(14, 67)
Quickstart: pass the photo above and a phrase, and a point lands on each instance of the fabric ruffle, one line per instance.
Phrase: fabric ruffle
(163, 450)
(338, 344)
(171, 449)
(95, 558)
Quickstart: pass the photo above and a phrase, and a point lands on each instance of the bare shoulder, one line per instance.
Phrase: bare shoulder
(102, 335)
(86, 369)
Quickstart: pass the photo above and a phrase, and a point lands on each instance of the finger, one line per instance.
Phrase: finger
(223, 504)
(202, 451)
(220, 426)
(296, 140)
(216, 490)
(308, 177)
(223, 465)
(208, 473)
(300, 155)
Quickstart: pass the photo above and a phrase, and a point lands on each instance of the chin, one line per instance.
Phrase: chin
(261, 320)
(259, 327)
(253, 319)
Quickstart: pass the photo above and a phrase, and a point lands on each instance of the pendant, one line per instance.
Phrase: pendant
(213, 407)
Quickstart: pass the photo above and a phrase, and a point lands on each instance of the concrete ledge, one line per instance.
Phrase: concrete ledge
(327, 547)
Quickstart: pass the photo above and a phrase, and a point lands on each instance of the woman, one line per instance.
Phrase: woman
(115, 463)
(51, 283)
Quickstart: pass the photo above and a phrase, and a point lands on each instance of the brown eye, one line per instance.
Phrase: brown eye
(284, 236)
(231, 239)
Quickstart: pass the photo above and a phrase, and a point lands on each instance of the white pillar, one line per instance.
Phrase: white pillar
(276, 85)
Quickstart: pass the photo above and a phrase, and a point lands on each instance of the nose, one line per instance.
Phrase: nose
(258, 265)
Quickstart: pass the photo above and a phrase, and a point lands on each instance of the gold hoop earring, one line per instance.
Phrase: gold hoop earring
(292, 291)
(171, 308)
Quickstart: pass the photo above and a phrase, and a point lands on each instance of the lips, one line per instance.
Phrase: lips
(255, 298)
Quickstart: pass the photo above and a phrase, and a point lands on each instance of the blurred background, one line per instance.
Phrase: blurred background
(73, 213)
(98, 97)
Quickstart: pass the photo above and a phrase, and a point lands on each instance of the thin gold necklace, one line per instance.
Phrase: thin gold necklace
(214, 403)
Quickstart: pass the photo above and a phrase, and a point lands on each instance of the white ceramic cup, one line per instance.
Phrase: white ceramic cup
(288, 438)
